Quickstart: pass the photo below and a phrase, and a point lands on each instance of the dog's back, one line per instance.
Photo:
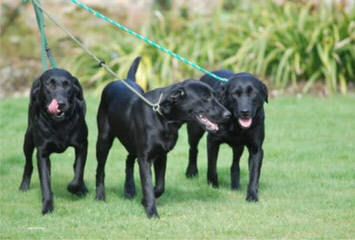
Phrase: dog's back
(214, 83)
(114, 114)
(117, 92)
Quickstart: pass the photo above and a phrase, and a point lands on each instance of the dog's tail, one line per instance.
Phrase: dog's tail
(133, 69)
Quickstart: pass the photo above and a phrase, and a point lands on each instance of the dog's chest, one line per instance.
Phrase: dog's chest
(61, 141)
(169, 139)
(58, 141)
(56, 138)
(163, 142)
(58, 147)
(234, 137)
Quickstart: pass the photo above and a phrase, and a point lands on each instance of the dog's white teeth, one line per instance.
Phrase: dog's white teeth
(60, 114)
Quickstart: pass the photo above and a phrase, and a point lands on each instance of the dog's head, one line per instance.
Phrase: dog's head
(56, 92)
(195, 100)
(244, 95)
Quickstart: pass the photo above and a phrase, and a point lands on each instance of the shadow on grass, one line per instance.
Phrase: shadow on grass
(178, 195)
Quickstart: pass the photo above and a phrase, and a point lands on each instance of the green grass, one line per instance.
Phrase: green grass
(307, 187)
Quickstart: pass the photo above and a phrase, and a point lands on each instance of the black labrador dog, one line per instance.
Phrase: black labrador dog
(149, 135)
(56, 120)
(244, 96)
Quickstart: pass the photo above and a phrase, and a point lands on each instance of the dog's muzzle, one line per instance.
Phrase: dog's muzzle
(210, 126)
(54, 109)
(245, 120)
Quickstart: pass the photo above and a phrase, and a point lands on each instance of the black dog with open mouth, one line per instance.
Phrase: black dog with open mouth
(148, 135)
(244, 96)
(56, 120)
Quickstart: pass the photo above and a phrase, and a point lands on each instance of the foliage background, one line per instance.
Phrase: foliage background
(293, 44)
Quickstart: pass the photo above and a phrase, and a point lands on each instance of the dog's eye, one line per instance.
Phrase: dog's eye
(52, 83)
(252, 93)
(236, 94)
(65, 84)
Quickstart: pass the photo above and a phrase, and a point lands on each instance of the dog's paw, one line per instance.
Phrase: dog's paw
(158, 191)
(129, 190)
(235, 186)
(129, 194)
(152, 213)
(100, 194)
(78, 189)
(252, 197)
(47, 207)
(24, 186)
(213, 182)
(143, 202)
(191, 172)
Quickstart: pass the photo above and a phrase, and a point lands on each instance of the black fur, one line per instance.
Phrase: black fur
(145, 134)
(50, 133)
(243, 95)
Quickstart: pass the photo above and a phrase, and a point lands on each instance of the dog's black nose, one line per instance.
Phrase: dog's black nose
(61, 104)
(245, 113)
(227, 115)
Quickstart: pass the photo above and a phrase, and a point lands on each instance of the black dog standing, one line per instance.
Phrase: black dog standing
(56, 120)
(243, 95)
(146, 134)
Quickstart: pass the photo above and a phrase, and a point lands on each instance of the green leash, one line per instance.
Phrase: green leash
(154, 106)
(154, 44)
(45, 50)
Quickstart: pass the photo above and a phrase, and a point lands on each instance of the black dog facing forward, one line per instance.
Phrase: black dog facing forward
(146, 134)
(243, 95)
(56, 120)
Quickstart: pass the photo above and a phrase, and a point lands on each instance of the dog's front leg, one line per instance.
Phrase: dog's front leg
(129, 185)
(77, 186)
(235, 170)
(103, 145)
(28, 148)
(44, 172)
(159, 168)
(147, 187)
(212, 153)
(255, 162)
(195, 133)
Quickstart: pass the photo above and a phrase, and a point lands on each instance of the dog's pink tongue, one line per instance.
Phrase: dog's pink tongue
(53, 107)
(245, 123)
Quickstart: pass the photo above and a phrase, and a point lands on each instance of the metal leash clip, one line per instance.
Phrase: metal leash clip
(156, 106)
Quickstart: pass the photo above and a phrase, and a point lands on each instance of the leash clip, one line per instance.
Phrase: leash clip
(156, 106)
(101, 63)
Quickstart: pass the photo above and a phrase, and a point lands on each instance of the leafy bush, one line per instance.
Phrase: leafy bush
(285, 44)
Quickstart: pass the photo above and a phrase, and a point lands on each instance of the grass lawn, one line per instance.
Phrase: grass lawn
(307, 185)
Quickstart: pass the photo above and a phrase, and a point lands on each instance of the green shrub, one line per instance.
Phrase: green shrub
(285, 44)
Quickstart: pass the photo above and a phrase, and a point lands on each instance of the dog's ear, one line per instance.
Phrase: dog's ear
(177, 94)
(173, 96)
(222, 92)
(77, 88)
(264, 92)
(35, 90)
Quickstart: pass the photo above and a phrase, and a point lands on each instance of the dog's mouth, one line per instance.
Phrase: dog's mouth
(59, 115)
(210, 126)
(245, 122)
(53, 109)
